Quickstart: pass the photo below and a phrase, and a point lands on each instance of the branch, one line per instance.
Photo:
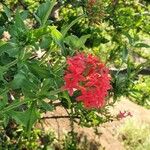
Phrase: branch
(59, 117)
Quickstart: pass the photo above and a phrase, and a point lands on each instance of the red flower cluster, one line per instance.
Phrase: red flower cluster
(88, 75)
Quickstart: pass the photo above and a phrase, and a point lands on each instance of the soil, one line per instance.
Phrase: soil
(106, 136)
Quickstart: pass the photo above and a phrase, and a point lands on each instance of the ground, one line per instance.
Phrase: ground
(108, 136)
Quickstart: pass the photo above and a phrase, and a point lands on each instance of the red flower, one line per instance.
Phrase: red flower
(124, 114)
(89, 76)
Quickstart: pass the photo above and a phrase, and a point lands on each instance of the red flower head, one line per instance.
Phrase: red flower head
(88, 75)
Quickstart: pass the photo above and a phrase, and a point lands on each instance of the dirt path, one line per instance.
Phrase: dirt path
(108, 131)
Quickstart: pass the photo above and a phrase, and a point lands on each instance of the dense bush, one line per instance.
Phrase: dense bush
(38, 37)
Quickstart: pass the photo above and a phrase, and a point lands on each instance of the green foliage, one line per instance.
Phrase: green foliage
(25, 79)
(44, 11)
(34, 45)
(20, 140)
(142, 86)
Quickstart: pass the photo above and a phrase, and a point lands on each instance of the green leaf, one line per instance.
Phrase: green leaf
(9, 48)
(6, 120)
(129, 37)
(84, 38)
(46, 42)
(76, 42)
(48, 84)
(56, 35)
(26, 118)
(18, 80)
(72, 41)
(40, 71)
(2, 29)
(18, 29)
(54, 92)
(3, 18)
(67, 27)
(14, 105)
(2, 70)
(65, 99)
(30, 86)
(140, 45)
(7, 11)
(44, 11)
(19, 22)
(45, 106)
(3, 99)
(48, 89)
(58, 38)
(35, 34)
(24, 14)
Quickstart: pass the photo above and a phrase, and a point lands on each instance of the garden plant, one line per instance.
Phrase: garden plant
(82, 55)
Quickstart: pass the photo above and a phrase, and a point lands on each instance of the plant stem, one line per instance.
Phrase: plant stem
(13, 106)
